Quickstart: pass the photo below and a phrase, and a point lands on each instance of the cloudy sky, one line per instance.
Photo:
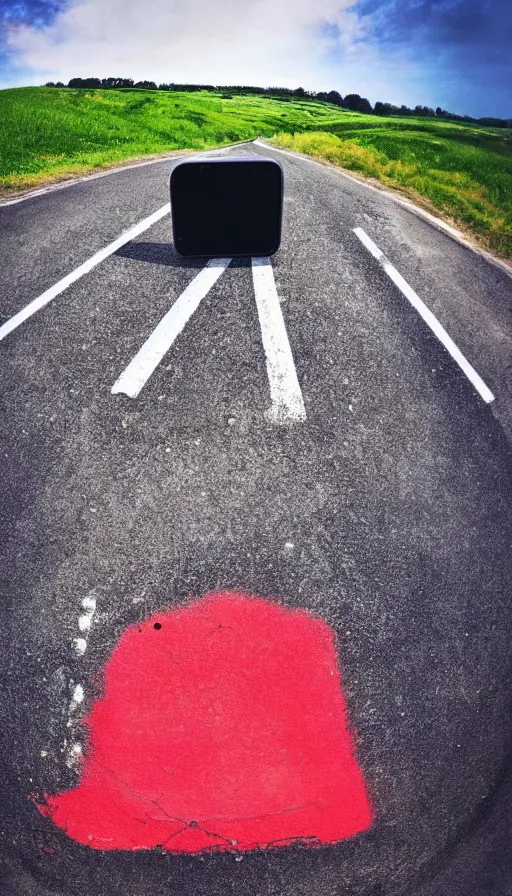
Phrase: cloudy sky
(450, 53)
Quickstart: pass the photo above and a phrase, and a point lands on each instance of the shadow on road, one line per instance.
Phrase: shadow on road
(166, 254)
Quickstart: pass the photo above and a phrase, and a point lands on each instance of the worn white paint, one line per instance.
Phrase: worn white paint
(159, 342)
(76, 699)
(427, 316)
(85, 620)
(74, 754)
(88, 603)
(78, 695)
(287, 402)
(84, 268)
(80, 645)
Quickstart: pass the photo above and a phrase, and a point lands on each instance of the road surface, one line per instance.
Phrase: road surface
(305, 438)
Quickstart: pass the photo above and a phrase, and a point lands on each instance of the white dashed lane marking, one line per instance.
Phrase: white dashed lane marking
(84, 268)
(285, 392)
(427, 316)
(158, 344)
(287, 401)
(286, 396)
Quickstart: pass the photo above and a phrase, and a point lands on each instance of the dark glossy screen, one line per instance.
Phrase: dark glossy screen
(227, 207)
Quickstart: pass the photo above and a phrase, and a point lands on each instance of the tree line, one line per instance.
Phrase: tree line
(351, 101)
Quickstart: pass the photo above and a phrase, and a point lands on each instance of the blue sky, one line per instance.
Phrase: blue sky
(452, 53)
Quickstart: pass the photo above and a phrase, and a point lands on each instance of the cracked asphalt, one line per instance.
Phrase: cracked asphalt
(386, 513)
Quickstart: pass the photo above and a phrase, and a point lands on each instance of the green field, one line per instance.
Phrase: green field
(463, 171)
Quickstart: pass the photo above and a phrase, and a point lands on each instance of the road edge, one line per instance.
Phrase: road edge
(71, 180)
(441, 225)
(438, 223)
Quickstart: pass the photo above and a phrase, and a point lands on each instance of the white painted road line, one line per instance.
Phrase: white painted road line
(287, 401)
(155, 347)
(84, 268)
(427, 316)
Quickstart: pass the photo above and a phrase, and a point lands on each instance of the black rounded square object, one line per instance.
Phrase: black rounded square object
(227, 207)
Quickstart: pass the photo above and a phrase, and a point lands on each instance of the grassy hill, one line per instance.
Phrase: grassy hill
(463, 171)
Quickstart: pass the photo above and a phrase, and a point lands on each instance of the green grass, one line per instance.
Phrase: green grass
(461, 170)
(52, 131)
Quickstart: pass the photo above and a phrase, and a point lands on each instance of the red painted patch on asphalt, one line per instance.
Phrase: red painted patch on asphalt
(223, 726)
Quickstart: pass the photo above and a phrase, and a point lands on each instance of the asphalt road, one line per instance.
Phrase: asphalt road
(385, 513)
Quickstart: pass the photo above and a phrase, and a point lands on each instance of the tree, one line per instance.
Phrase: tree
(334, 97)
(85, 82)
(357, 103)
(116, 83)
(384, 109)
(424, 111)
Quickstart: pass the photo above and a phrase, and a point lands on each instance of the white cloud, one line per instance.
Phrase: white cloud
(253, 42)
(258, 42)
